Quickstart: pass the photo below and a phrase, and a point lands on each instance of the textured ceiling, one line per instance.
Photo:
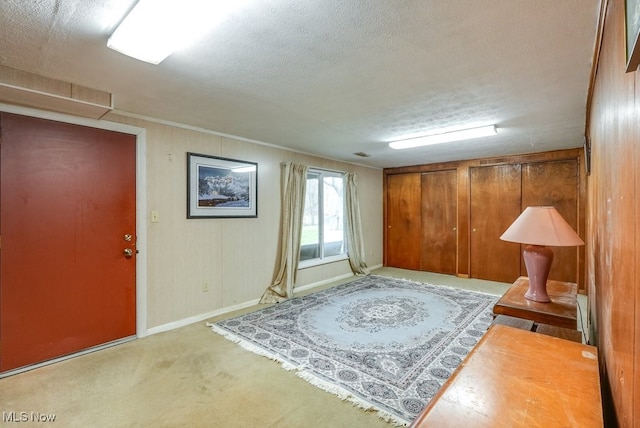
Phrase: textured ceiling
(335, 77)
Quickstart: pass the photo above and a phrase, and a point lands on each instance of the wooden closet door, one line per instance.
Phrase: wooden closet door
(495, 204)
(555, 184)
(439, 222)
(403, 221)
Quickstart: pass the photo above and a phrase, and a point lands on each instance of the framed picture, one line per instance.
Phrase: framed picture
(220, 187)
(632, 33)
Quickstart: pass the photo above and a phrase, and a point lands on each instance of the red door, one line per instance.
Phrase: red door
(67, 215)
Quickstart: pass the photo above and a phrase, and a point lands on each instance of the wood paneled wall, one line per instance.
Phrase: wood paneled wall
(463, 169)
(613, 232)
(23, 88)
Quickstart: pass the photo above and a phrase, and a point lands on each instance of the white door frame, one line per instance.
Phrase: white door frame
(141, 193)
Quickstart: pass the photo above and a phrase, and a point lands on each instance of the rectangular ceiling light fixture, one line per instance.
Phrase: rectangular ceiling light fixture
(445, 137)
(154, 29)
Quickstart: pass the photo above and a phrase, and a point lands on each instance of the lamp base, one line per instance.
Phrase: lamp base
(538, 261)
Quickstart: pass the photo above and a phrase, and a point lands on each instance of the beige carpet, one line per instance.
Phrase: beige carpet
(188, 377)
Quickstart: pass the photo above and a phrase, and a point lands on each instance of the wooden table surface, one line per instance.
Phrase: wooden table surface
(516, 378)
(561, 311)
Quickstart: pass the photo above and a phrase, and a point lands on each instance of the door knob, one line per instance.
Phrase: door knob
(128, 252)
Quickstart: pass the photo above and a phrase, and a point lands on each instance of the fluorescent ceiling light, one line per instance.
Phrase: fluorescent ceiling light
(465, 134)
(154, 29)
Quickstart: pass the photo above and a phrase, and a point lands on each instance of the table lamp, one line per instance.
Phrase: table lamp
(539, 228)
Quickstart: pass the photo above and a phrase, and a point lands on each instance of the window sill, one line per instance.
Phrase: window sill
(317, 262)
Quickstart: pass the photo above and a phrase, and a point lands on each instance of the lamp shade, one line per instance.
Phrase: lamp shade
(542, 226)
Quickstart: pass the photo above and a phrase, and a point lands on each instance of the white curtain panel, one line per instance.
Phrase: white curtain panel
(355, 240)
(293, 182)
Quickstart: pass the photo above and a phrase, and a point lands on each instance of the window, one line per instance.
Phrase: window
(323, 225)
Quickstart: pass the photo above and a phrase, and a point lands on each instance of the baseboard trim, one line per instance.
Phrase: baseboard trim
(198, 318)
(321, 283)
(201, 317)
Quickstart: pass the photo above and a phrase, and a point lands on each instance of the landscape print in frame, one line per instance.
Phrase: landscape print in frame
(220, 187)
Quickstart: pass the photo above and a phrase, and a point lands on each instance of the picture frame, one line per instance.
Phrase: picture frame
(220, 187)
(632, 34)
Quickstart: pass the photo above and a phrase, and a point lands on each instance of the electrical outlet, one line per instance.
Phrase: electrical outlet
(205, 286)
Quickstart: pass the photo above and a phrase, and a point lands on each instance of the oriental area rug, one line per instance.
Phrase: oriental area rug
(383, 343)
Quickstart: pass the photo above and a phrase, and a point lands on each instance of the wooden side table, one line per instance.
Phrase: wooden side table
(561, 311)
(516, 378)
(549, 330)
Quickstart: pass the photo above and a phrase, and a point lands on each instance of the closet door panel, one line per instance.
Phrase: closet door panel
(403, 221)
(555, 184)
(439, 222)
(495, 200)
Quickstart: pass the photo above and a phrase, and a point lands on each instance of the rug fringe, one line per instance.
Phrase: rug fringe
(250, 347)
(314, 380)
(345, 395)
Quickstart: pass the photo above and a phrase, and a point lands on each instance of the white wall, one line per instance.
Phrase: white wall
(235, 257)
